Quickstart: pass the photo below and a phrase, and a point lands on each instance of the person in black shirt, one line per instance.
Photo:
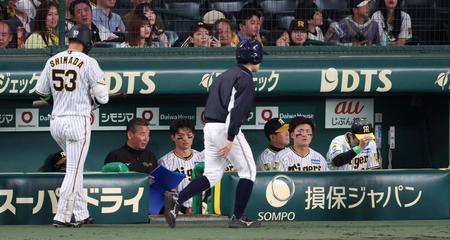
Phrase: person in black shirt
(230, 100)
(134, 153)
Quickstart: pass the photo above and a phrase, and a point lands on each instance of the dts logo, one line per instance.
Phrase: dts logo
(351, 80)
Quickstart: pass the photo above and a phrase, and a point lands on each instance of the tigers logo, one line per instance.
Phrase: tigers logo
(280, 190)
(442, 80)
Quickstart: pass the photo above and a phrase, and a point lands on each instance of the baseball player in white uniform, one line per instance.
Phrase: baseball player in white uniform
(230, 99)
(355, 150)
(183, 158)
(277, 132)
(300, 157)
(68, 79)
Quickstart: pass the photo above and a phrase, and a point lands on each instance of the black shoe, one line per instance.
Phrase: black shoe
(64, 224)
(243, 222)
(171, 208)
(88, 220)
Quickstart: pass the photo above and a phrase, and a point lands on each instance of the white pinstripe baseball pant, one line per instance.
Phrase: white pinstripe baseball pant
(73, 135)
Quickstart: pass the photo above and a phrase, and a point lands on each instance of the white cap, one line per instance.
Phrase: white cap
(212, 16)
(363, 3)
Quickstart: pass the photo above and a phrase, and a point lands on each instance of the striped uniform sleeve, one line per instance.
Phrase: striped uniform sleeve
(323, 163)
(43, 85)
(373, 162)
(94, 73)
(261, 162)
(163, 161)
(283, 157)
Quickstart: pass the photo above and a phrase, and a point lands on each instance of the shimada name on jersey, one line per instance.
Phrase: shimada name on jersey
(66, 60)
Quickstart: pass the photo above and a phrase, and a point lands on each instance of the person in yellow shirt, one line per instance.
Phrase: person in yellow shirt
(45, 26)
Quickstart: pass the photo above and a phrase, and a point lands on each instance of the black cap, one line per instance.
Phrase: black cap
(275, 125)
(361, 128)
(59, 162)
(298, 25)
(199, 25)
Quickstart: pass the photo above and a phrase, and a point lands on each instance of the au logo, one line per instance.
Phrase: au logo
(280, 190)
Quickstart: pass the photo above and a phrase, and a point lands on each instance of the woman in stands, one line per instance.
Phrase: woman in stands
(139, 33)
(159, 37)
(393, 22)
(45, 26)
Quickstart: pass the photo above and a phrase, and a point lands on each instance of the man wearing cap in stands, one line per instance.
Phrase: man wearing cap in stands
(357, 29)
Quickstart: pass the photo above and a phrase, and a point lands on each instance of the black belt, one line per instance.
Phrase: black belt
(212, 120)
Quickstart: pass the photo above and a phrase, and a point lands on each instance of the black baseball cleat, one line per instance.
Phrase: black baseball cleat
(171, 208)
(88, 220)
(243, 222)
(64, 224)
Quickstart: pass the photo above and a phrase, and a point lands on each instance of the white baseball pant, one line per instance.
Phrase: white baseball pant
(73, 135)
(240, 155)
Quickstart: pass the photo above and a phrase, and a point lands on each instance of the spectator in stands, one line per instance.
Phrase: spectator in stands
(393, 22)
(69, 19)
(223, 32)
(355, 150)
(249, 21)
(139, 33)
(300, 156)
(312, 14)
(211, 17)
(45, 26)
(277, 132)
(20, 21)
(3, 12)
(103, 15)
(81, 12)
(159, 23)
(183, 158)
(134, 153)
(201, 37)
(298, 32)
(158, 36)
(5, 34)
(357, 29)
(278, 37)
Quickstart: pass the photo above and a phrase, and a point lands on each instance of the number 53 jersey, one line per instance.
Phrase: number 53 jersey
(68, 77)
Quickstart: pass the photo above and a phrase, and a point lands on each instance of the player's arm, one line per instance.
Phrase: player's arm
(43, 85)
(243, 100)
(343, 158)
(99, 90)
(100, 93)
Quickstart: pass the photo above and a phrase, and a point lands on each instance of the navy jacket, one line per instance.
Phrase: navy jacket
(230, 99)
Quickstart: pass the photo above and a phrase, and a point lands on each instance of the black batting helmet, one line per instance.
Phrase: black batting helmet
(82, 34)
(249, 51)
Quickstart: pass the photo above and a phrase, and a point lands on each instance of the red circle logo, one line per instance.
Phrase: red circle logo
(27, 117)
(266, 114)
(147, 115)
